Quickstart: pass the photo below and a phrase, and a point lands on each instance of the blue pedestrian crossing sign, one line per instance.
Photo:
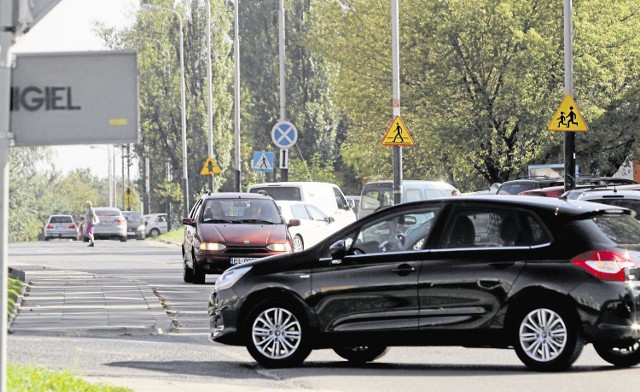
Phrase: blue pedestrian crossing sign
(263, 161)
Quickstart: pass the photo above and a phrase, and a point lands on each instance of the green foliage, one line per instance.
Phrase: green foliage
(31, 379)
(15, 286)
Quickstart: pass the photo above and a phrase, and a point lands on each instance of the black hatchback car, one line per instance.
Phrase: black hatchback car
(541, 275)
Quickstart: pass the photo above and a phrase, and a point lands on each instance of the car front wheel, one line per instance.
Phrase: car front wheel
(547, 338)
(619, 354)
(277, 335)
(361, 354)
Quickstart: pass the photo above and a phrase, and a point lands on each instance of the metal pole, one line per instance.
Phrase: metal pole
(111, 175)
(6, 36)
(183, 109)
(395, 55)
(236, 93)
(284, 173)
(209, 91)
(569, 137)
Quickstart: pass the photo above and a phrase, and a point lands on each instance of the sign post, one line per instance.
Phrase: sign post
(284, 135)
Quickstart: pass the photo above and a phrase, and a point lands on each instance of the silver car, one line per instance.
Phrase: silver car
(60, 226)
(112, 224)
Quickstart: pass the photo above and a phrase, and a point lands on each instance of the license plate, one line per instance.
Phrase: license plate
(241, 260)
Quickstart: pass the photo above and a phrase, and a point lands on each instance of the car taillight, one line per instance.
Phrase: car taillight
(118, 220)
(49, 226)
(72, 226)
(606, 264)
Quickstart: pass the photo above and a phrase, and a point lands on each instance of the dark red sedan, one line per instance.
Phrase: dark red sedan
(225, 229)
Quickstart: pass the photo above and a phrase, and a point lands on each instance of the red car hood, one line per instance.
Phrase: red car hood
(239, 234)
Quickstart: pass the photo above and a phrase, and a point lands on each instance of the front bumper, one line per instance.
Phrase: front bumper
(223, 315)
(217, 263)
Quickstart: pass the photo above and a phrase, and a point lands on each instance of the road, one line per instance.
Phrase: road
(184, 360)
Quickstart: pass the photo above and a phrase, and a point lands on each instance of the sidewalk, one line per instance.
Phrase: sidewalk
(70, 303)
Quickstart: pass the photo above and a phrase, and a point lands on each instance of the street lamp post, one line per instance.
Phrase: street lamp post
(209, 91)
(185, 178)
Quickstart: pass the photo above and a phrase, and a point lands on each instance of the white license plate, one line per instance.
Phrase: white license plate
(241, 260)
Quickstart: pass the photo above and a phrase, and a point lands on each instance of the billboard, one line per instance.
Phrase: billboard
(75, 98)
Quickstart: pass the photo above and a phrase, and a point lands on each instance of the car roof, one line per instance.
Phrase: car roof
(235, 195)
(547, 204)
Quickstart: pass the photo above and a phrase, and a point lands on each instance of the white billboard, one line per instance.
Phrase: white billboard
(75, 98)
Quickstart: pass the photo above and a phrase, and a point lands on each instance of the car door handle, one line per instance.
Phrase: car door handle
(403, 269)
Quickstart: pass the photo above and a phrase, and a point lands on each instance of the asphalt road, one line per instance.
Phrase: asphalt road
(183, 359)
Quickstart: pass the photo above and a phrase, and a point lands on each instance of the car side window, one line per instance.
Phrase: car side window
(481, 228)
(315, 213)
(299, 212)
(340, 200)
(398, 232)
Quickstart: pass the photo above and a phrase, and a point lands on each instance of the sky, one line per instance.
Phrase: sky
(68, 27)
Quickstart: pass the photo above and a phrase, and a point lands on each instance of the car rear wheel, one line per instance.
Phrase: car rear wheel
(154, 233)
(123, 238)
(620, 354)
(277, 334)
(361, 354)
(298, 243)
(547, 338)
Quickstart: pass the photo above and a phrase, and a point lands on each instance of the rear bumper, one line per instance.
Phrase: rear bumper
(615, 319)
(61, 234)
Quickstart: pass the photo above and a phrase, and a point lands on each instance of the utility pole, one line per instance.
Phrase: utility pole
(395, 55)
(569, 137)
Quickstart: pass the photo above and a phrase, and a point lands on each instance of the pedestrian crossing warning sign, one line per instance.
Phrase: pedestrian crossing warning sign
(397, 134)
(210, 168)
(568, 117)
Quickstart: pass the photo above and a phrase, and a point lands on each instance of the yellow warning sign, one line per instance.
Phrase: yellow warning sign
(568, 117)
(397, 134)
(210, 168)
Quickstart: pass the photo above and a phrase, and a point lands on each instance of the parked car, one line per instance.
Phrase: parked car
(514, 187)
(155, 224)
(135, 225)
(60, 226)
(315, 224)
(379, 194)
(628, 198)
(354, 202)
(542, 275)
(325, 195)
(226, 229)
(112, 224)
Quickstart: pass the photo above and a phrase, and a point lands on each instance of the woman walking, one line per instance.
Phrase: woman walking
(90, 219)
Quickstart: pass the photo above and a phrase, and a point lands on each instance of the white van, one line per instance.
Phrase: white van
(328, 197)
(378, 194)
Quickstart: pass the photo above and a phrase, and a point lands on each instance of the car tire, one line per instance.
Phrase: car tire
(619, 354)
(123, 239)
(154, 233)
(198, 273)
(47, 238)
(361, 354)
(277, 334)
(298, 243)
(187, 274)
(546, 338)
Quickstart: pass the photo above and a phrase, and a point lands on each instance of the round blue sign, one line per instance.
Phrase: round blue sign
(284, 134)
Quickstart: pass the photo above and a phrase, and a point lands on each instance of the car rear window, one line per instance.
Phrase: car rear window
(619, 228)
(280, 193)
(60, 219)
(108, 213)
(632, 204)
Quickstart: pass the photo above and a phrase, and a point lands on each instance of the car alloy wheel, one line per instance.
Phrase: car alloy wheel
(547, 338)
(277, 335)
(619, 354)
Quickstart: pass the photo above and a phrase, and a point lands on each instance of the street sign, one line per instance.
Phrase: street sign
(210, 168)
(284, 134)
(129, 196)
(263, 161)
(397, 134)
(568, 117)
(284, 158)
(27, 13)
(75, 98)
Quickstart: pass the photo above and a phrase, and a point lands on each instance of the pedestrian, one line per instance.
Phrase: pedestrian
(90, 220)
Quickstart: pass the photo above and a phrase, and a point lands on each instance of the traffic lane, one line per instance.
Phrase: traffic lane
(408, 369)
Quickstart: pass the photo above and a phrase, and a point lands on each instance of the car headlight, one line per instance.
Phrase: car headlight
(286, 247)
(230, 277)
(212, 246)
(140, 228)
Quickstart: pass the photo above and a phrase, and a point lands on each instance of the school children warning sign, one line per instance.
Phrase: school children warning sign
(397, 134)
(568, 117)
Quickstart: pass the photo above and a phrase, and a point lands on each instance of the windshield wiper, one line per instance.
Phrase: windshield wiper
(218, 221)
(256, 221)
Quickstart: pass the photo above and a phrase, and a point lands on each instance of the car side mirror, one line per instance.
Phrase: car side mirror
(188, 222)
(352, 204)
(293, 222)
(329, 219)
(338, 249)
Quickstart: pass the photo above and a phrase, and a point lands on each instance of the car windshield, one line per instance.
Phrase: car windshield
(240, 211)
(280, 193)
